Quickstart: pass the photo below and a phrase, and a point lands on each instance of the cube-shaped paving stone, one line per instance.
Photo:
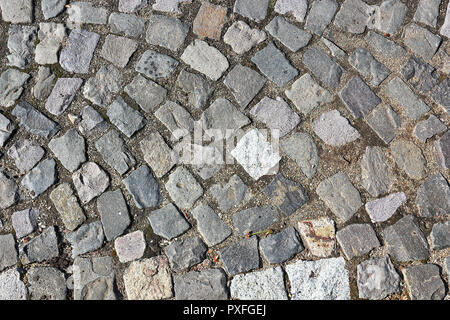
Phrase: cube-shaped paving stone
(167, 32)
(196, 87)
(320, 15)
(428, 128)
(376, 175)
(183, 188)
(424, 282)
(288, 34)
(255, 10)
(420, 74)
(158, 155)
(384, 46)
(421, 41)
(147, 94)
(124, 117)
(440, 236)
(353, 16)
(318, 235)
(185, 253)
(129, 25)
(282, 246)
(358, 97)
(85, 12)
(241, 256)
(384, 121)
(20, 11)
(67, 205)
(442, 148)
(130, 247)
(90, 181)
(76, 56)
(24, 222)
(11, 86)
(156, 65)
(70, 149)
(230, 194)
(34, 121)
(409, 158)
(8, 251)
(143, 188)
(46, 283)
(168, 222)
(118, 50)
(115, 152)
(323, 67)
(87, 238)
(11, 286)
(357, 240)
(209, 21)
(41, 248)
(363, 61)
(213, 229)
(242, 38)
(102, 88)
(206, 284)
(433, 197)
(301, 148)
(26, 154)
(114, 215)
(62, 95)
(42, 177)
(285, 194)
(255, 219)
(176, 119)
(382, 209)
(334, 129)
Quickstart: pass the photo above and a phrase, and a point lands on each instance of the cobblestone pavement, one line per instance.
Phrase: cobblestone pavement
(335, 186)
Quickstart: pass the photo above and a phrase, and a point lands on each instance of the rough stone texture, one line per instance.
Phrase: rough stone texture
(85, 12)
(424, 282)
(90, 181)
(428, 128)
(208, 284)
(323, 67)
(295, 7)
(24, 222)
(62, 95)
(210, 226)
(330, 280)
(288, 34)
(143, 188)
(9, 191)
(19, 11)
(318, 235)
(125, 118)
(21, 45)
(70, 149)
(363, 61)
(442, 151)
(51, 35)
(420, 74)
(353, 16)
(176, 119)
(388, 16)
(46, 284)
(282, 246)
(67, 206)
(130, 247)
(440, 236)
(76, 56)
(334, 129)
(157, 154)
(384, 121)
(230, 194)
(129, 25)
(91, 122)
(101, 89)
(242, 38)
(382, 209)
(384, 46)
(433, 197)
(41, 248)
(52, 8)
(44, 83)
(357, 240)
(168, 222)
(255, 10)
(172, 6)
(11, 86)
(147, 94)
(209, 21)
(166, 32)
(156, 65)
(132, 5)
(241, 256)
(42, 177)
(11, 287)
(377, 279)
(445, 29)
(359, 98)
(405, 241)
(8, 251)
(320, 15)
(118, 50)
(409, 158)
(183, 188)
(114, 215)
(183, 254)
(376, 176)
(87, 238)
(302, 149)
(197, 89)
(114, 152)
(255, 219)
(286, 195)
(259, 285)
(421, 41)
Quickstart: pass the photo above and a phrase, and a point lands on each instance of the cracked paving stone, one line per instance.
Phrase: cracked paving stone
(51, 35)
(183, 254)
(125, 118)
(62, 95)
(427, 12)
(9, 191)
(24, 222)
(130, 246)
(376, 176)
(255, 10)
(118, 50)
(409, 158)
(256, 155)
(115, 152)
(359, 98)
(318, 235)
(383, 46)
(276, 115)
(388, 16)
(420, 74)
(42, 177)
(128, 25)
(288, 34)
(46, 283)
(442, 149)
(241, 256)
(172, 6)
(340, 196)
(157, 154)
(76, 56)
(11, 287)
(334, 129)
(168, 222)
(244, 83)
(8, 252)
(421, 41)
(357, 240)
(166, 32)
(91, 121)
(320, 15)
(101, 89)
(44, 83)
(148, 279)
(156, 65)
(6, 129)
(440, 236)
(11, 86)
(424, 282)
(433, 197)
(41, 248)
(70, 149)
(183, 188)
(302, 149)
(114, 214)
(197, 89)
(285, 194)
(297, 8)
(21, 45)
(382, 209)
(132, 5)
(377, 279)
(26, 154)
(212, 229)
(176, 119)
(282, 246)
(267, 284)
(90, 181)
(242, 38)
(384, 121)
(86, 13)
(207, 284)
(405, 241)
(255, 219)
(205, 59)
(18, 11)
(364, 62)
(209, 21)
(93, 278)
(323, 67)
(325, 279)
(229, 194)
(441, 94)
(88, 238)
(306, 94)
(52, 8)
(143, 188)
(354, 16)
(274, 65)
(67, 206)
(147, 94)
(428, 128)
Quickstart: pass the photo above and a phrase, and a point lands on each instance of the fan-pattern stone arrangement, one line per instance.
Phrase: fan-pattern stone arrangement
(97, 96)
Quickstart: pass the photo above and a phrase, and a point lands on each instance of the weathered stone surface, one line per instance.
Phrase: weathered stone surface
(323, 67)
(205, 59)
(421, 41)
(440, 236)
(384, 121)
(90, 181)
(255, 10)
(76, 56)
(209, 21)
(409, 158)
(445, 29)
(87, 238)
(230, 194)
(259, 285)
(24, 222)
(114, 152)
(156, 65)
(44, 83)
(424, 282)
(176, 119)
(129, 25)
(384, 46)
(21, 45)
(382, 209)
(6, 129)
(295, 7)
(286, 195)
(172, 6)
(242, 38)
(132, 5)
(148, 279)
(67, 206)
(41, 248)
(8, 251)
(274, 65)
(334, 129)
(91, 122)
(427, 12)
(320, 15)
(241, 256)
(405, 241)
(46, 283)
(118, 50)
(318, 235)
(62, 95)
(335, 50)
(255, 219)
(420, 74)
(125, 118)
(70, 149)
(302, 149)
(288, 34)
(306, 94)
(11, 287)
(166, 32)
(183, 188)
(428, 128)
(388, 16)
(101, 89)
(329, 280)
(9, 191)
(207, 284)
(52, 8)
(359, 98)
(114, 215)
(157, 154)
(282, 246)
(143, 188)
(363, 61)
(441, 94)
(11, 86)
(42, 177)
(197, 89)
(51, 35)
(354, 16)
(442, 148)
(130, 246)
(357, 240)
(183, 254)
(20, 11)
(147, 94)
(376, 176)
(85, 12)
(210, 226)
(433, 197)
(377, 279)
(168, 222)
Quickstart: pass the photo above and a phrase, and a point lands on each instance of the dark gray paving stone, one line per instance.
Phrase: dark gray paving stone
(359, 98)
(87, 238)
(441, 94)
(334, 129)
(92, 122)
(114, 215)
(384, 46)
(207, 284)
(376, 176)
(20, 11)
(129, 25)
(424, 282)
(10, 192)
(125, 118)
(323, 67)
(286, 195)
(6, 129)
(282, 246)
(255, 219)
(409, 158)
(405, 241)
(62, 95)
(70, 149)
(143, 188)
(440, 236)
(183, 188)
(130, 246)
(8, 251)
(301, 148)
(118, 50)
(288, 34)
(255, 10)
(147, 94)
(433, 197)
(66, 203)
(241, 256)
(442, 148)
(212, 228)
(24, 222)
(377, 279)
(421, 41)
(90, 181)
(52, 8)
(168, 222)
(320, 15)
(357, 240)
(76, 56)
(34, 121)
(183, 254)
(384, 121)
(230, 194)
(11, 86)
(11, 287)
(41, 248)
(102, 88)
(42, 177)
(176, 119)
(420, 74)
(274, 65)
(428, 128)
(353, 16)
(21, 40)
(156, 65)
(197, 88)
(114, 152)
(166, 32)
(86, 13)
(46, 283)
(363, 61)
(157, 154)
